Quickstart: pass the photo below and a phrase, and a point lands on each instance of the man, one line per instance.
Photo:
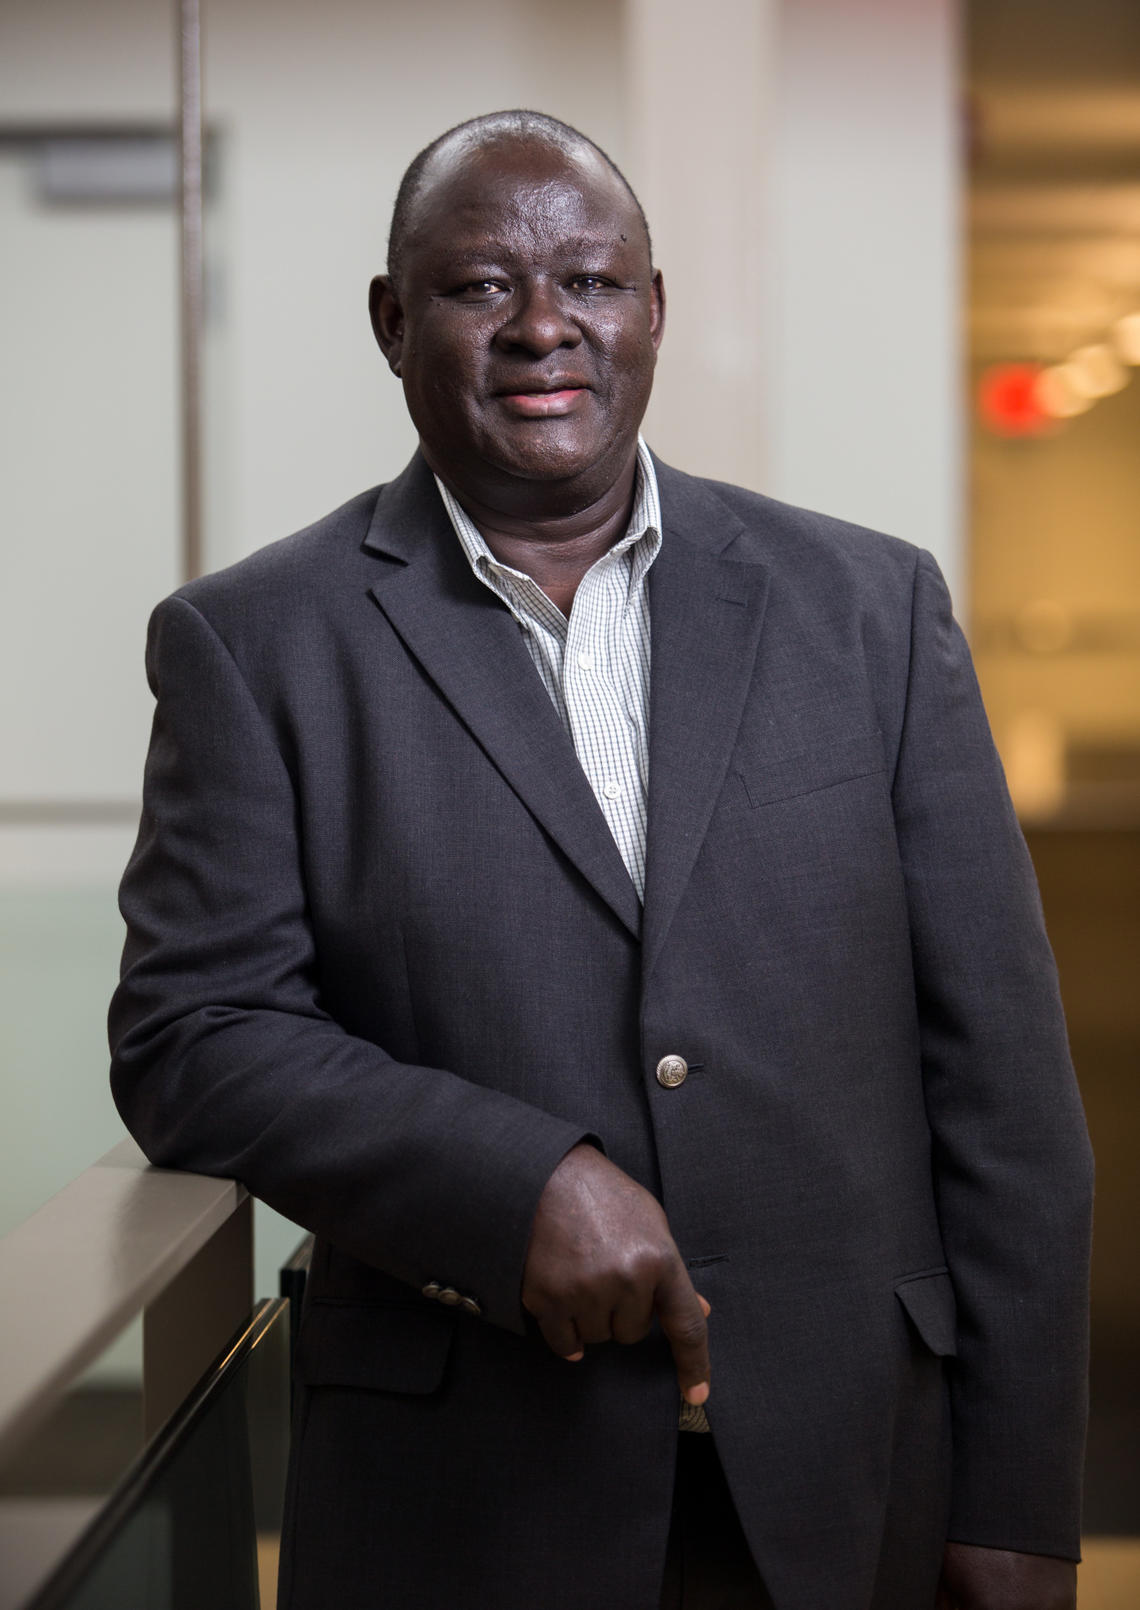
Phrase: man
(587, 897)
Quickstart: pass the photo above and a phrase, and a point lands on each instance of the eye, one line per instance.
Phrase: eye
(589, 282)
(479, 290)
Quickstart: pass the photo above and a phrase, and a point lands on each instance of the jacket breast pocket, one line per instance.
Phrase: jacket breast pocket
(810, 770)
(928, 1300)
(379, 1347)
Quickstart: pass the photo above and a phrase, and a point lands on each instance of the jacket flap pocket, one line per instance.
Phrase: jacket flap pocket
(376, 1346)
(929, 1300)
(860, 755)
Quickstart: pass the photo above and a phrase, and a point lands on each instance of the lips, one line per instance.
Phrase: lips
(541, 388)
(534, 400)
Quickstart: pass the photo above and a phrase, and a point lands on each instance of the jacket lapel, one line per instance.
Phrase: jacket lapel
(706, 613)
(472, 649)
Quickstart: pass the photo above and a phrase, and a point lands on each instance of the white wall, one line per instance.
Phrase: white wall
(700, 113)
(88, 475)
(799, 161)
(322, 122)
(862, 369)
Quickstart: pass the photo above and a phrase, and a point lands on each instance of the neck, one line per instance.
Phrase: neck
(556, 550)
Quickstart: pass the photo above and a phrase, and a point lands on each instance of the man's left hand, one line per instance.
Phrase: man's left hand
(975, 1578)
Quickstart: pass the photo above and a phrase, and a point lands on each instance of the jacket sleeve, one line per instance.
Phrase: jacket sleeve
(1012, 1165)
(223, 1059)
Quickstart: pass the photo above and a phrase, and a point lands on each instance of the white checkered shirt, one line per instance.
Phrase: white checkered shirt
(595, 666)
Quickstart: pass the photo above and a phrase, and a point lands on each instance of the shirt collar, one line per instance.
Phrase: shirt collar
(642, 533)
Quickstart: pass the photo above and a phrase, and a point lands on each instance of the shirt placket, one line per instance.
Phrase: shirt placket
(599, 723)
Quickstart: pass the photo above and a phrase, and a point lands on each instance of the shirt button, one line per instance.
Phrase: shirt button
(586, 660)
(671, 1072)
(612, 790)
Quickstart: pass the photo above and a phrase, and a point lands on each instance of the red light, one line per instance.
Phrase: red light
(1008, 400)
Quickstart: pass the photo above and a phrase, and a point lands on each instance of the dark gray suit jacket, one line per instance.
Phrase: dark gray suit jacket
(386, 966)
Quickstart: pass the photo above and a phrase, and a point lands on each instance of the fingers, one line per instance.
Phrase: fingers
(630, 1322)
(561, 1335)
(682, 1315)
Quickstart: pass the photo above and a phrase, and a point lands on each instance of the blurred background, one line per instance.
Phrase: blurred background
(901, 240)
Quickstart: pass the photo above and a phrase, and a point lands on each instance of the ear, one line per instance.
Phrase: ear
(657, 308)
(387, 320)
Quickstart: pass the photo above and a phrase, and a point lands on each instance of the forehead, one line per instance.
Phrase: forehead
(521, 191)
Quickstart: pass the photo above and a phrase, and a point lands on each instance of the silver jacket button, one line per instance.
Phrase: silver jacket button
(432, 1289)
(450, 1296)
(672, 1071)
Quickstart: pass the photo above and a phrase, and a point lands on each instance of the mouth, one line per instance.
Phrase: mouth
(542, 401)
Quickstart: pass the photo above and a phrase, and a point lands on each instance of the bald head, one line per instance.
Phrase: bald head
(480, 134)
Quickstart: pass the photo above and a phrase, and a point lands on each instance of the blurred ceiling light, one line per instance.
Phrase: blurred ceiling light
(1008, 400)
(1049, 118)
(1055, 210)
(1126, 337)
(1096, 371)
(1057, 395)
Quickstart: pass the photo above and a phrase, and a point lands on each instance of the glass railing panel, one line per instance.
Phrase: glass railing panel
(196, 1520)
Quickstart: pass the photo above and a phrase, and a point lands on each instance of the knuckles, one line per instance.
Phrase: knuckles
(621, 1276)
(638, 1268)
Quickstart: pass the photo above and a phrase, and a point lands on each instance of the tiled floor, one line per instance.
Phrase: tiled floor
(1109, 1576)
(267, 1547)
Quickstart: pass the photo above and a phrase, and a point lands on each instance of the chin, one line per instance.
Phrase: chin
(558, 455)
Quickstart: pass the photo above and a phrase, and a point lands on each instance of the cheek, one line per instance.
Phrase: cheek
(634, 368)
(631, 350)
(441, 349)
(434, 377)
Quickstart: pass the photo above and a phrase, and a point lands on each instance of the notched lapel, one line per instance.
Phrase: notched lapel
(471, 648)
(706, 614)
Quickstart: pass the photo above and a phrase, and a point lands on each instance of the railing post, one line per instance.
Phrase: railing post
(191, 1320)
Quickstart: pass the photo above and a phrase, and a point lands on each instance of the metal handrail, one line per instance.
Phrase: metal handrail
(121, 1239)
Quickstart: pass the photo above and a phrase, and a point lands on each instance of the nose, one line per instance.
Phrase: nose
(539, 323)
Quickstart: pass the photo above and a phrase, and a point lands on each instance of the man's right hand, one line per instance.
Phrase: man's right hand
(602, 1265)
